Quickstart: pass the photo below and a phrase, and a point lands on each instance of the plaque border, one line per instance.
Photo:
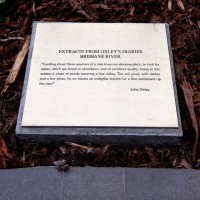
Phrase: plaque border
(97, 135)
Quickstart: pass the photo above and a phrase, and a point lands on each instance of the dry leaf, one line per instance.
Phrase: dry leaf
(17, 65)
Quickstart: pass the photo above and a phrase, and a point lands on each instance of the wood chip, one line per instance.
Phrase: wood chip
(131, 11)
(101, 6)
(151, 155)
(198, 22)
(3, 153)
(17, 65)
(3, 149)
(188, 96)
(186, 164)
(74, 3)
(170, 5)
(181, 5)
(84, 14)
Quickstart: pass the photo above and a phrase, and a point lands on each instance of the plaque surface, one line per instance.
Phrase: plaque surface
(87, 80)
(116, 75)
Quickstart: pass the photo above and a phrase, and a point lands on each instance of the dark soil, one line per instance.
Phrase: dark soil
(16, 18)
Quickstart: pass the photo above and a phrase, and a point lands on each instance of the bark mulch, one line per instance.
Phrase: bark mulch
(16, 18)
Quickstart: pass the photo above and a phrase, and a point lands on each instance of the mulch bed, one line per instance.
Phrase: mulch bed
(16, 18)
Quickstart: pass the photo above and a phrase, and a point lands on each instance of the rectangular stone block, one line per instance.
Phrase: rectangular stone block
(99, 183)
(100, 83)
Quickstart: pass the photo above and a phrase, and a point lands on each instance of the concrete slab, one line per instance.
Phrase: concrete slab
(157, 184)
(30, 184)
(194, 183)
(87, 183)
(93, 183)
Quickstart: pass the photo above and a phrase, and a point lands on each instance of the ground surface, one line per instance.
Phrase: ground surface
(100, 183)
(15, 25)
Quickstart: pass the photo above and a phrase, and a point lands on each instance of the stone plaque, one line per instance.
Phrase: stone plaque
(96, 81)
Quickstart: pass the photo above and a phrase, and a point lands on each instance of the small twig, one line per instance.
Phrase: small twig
(75, 7)
(188, 55)
(78, 145)
(34, 12)
(10, 124)
(11, 38)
